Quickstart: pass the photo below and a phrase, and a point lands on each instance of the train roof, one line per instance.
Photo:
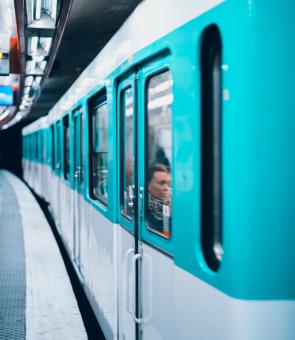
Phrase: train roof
(38, 124)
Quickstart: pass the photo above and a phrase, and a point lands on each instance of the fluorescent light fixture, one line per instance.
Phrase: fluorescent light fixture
(45, 44)
(4, 115)
(29, 81)
(38, 80)
(27, 90)
(30, 67)
(19, 116)
(34, 44)
(38, 10)
(42, 65)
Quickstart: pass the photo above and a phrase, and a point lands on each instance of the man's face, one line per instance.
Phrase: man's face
(159, 185)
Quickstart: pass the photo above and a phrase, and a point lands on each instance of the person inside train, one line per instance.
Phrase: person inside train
(159, 199)
(161, 157)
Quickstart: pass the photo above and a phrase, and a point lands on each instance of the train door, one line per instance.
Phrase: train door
(145, 256)
(78, 181)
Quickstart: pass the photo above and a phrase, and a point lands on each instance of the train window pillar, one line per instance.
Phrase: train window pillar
(211, 146)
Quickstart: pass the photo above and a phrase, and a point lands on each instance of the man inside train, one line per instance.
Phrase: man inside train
(159, 199)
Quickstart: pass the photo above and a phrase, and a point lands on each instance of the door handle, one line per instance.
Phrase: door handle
(127, 287)
(136, 258)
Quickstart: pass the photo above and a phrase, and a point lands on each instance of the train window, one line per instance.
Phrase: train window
(99, 148)
(127, 193)
(36, 146)
(58, 146)
(78, 145)
(42, 146)
(81, 147)
(211, 125)
(66, 150)
(159, 154)
(52, 148)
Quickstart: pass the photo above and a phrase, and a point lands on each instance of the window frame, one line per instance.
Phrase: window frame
(211, 147)
(157, 72)
(94, 102)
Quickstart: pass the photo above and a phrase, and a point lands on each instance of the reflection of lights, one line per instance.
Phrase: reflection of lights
(160, 102)
(161, 87)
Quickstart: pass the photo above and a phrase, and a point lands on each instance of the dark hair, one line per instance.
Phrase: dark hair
(157, 167)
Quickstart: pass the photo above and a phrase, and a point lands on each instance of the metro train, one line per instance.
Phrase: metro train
(169, 172)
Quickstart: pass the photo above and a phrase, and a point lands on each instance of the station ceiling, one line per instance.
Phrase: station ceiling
(91, 23)
(82, 28)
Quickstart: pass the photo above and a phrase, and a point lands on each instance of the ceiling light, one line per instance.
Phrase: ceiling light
(38, 10)
(29, 81)
(38, 80)
(34, 44)
(4, 115)
(27, 90)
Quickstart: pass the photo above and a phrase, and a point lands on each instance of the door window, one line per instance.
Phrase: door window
(99, 149)
(159, 154)
(66, 148)
(127, 194)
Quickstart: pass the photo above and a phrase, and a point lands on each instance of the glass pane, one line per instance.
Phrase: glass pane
(58, 147)
(52, 147)
(159, 197)
(127, 194)
(36, 143)
(100, 176)
(76, 148)
(81, 148)
(100, 127)
(66, 149)
(99, 138)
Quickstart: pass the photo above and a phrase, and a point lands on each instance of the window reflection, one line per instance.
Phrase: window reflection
(99, 122)
(159, 197)
(127, 162)
(66, 148)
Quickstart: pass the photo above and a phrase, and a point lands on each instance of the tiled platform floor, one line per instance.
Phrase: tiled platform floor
(36, 298)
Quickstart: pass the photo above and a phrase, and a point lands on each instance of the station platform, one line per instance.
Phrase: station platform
(36, 297)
